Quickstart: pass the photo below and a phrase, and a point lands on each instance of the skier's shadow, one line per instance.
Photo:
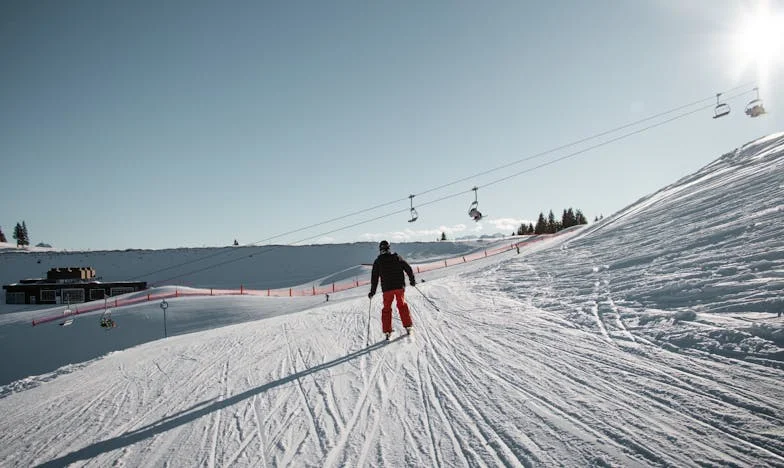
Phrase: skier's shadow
(197, 411)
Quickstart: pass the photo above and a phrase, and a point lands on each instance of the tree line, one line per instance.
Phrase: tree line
(550, 225)
(20, 234)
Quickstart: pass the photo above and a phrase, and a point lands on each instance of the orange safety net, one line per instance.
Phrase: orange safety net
(287, 292)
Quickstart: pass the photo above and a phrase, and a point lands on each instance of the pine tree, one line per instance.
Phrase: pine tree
(18, 234)
(569, 219)
(580, 218)
(541, 225)
(530, 228)
(552, 225)
(26, 234)
(2, 236)
(443, 236)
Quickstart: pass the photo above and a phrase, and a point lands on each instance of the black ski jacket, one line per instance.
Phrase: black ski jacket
(390, 268)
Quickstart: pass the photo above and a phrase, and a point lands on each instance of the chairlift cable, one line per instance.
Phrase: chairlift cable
(462, 192)
(223, 251)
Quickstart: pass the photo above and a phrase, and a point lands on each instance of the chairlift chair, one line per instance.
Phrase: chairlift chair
(755, 108)
(414, 214)
(473, 210)
(721, 108)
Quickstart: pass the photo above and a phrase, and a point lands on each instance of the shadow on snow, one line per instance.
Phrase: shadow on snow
(197, 411)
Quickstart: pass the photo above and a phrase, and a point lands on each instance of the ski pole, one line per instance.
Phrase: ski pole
(427, 299)
(367, 337)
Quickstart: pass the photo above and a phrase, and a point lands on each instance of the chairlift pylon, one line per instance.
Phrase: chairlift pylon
(414, 215)
(68, 313)
(69, 318)
(473, 210)
(755, 108)
(721, 109)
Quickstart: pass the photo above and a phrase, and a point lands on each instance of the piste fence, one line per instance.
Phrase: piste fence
(136, 298)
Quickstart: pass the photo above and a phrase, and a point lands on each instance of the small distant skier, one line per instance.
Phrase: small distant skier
(391, 268)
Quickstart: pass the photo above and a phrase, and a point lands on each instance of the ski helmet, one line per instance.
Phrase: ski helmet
(383, 246)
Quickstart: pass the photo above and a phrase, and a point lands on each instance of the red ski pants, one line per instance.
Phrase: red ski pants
(402, 308)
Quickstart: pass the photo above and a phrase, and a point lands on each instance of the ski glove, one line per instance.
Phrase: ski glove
(371, 294)
(412, 282)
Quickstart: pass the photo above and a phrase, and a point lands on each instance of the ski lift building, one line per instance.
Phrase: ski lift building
(67, 285)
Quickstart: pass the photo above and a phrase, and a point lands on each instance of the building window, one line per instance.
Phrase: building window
(97, 294)
(120, 290)
(72, 295)
(14, 298)
(48, 295)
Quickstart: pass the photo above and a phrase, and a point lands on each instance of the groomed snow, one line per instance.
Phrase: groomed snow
(650, 338)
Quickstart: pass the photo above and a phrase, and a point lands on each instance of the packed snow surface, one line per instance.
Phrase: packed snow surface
(650, 338)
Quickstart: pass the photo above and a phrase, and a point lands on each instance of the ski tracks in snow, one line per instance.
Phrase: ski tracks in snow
(490, 379)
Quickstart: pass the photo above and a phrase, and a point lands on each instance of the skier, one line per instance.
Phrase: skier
(390, 267)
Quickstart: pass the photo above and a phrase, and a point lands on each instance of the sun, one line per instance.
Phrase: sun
(759, 40)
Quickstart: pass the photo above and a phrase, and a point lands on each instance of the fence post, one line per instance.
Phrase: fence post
(290, 292)
(333, 287)
(464, 259)
(268, 292)
(445, 264)
(242, 289)
(210, 291)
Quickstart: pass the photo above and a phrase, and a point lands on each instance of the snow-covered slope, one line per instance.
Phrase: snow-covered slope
(254, 267)
(649, 339)
(708, 247)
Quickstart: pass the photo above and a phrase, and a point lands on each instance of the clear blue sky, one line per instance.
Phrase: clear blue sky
(187, 123)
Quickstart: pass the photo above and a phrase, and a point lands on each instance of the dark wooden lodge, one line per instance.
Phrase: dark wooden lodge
(67, 285)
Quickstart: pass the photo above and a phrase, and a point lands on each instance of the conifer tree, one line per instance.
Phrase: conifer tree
(443, 236)
(2, 236)
(541, 225)
(26, 234)
(580, 218)
(569, 218)
(530, 228)
(552, 225)
(18, 235)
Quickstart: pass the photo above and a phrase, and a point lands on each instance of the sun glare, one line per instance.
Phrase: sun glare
(760, 39)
